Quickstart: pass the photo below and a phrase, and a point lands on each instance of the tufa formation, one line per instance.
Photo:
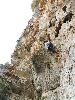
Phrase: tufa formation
(43, 62)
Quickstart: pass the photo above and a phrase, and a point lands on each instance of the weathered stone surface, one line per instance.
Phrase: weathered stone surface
(46, 75)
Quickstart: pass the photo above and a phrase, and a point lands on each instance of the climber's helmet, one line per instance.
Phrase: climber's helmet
(49, 46)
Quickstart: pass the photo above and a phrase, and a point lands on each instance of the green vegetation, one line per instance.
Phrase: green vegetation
(43, 98)
(1, 66)
(5, 90)
(34, 4)
(4, 66)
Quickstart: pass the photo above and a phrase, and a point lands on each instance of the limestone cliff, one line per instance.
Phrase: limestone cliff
(38, 72)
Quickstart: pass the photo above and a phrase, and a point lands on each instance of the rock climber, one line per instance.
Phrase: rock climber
(49, 45)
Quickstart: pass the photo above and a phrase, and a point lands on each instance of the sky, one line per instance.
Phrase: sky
(14, 16)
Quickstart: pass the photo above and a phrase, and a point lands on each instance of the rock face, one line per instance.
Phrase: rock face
(44, 74)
